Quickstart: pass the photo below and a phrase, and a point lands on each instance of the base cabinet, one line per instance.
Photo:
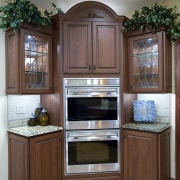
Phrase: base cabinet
(146, 155)
(35, 158)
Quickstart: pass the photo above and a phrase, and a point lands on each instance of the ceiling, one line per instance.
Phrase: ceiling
(121, 7)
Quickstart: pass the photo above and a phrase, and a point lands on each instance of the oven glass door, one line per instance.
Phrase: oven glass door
(92, 152)
(92, 108)
(92, 112)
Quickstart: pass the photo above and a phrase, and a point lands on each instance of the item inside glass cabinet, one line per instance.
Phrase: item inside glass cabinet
(145, 59)
(36, 62)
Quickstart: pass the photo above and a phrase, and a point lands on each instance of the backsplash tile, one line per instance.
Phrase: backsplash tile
(16, 123)
(29, 101)
(162, 103)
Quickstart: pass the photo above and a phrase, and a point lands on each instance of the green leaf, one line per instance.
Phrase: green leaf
(20, 11)
(157, 16)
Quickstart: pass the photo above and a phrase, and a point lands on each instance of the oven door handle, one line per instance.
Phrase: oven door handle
(92, 91)
(90, 138)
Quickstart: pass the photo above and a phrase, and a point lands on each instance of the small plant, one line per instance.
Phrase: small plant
(14, 14)
(154, 18)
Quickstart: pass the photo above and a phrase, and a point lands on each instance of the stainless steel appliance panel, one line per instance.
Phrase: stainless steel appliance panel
(91, 103)
(92, 151)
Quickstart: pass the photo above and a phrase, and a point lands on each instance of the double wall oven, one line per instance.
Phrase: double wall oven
(92, 120)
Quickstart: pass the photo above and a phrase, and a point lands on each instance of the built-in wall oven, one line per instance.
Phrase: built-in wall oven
(92, 120)
(92, 151)
(91, 103)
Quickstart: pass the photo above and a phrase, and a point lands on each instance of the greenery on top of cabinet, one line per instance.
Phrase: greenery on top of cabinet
(14, 14)
(154, 18)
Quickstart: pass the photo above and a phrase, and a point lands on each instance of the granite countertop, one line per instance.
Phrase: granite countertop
(29, 131)
(151, 127)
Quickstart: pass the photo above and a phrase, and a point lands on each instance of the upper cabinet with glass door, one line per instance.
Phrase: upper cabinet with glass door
(28, 62)
(149, 63)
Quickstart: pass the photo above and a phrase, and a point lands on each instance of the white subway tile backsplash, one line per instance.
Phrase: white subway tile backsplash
(29, 101)
(162, 103)
(163, 112)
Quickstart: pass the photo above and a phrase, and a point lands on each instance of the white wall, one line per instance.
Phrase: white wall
(3, 114)
(172, 3)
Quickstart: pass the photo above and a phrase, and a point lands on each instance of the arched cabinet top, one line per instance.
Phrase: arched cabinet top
(92, 11)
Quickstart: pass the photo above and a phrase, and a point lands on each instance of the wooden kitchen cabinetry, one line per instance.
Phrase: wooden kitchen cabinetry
(146, 155)
(28, 60)
(150, 68)
(92, 39)
(35, 158)
(108, 177)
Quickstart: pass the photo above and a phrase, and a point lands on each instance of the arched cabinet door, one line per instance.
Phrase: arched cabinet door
(92, 39)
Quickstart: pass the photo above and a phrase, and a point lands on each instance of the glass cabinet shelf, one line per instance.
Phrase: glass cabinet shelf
(35, 53)
(146, 53)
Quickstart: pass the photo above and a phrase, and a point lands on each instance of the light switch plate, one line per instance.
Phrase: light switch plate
(20, 109)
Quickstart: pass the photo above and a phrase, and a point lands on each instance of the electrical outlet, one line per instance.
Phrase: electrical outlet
(20, 109)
